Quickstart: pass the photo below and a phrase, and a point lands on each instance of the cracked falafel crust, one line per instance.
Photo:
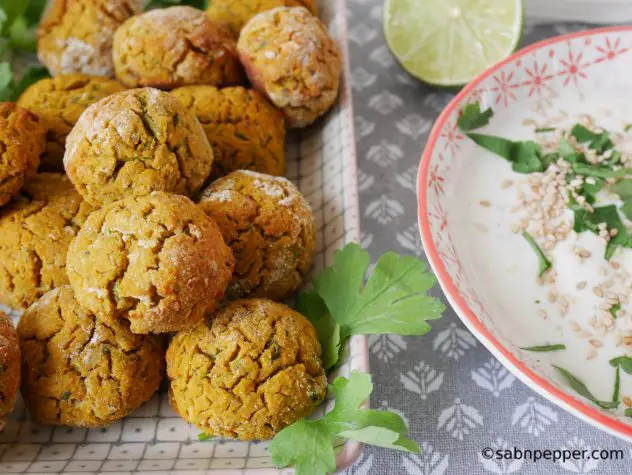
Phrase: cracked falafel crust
(236, 13)
(75, 36)
(9, 367)
(244, 129)
(173, 47)
(35, 231)
(289, 56)
(59, 102)
(135, 142)
(78, 371)
(268, 224)
(252, 370)
(21, 144)
(155, 260)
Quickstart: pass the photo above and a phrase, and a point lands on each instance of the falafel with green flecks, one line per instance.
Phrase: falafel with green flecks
(252, 369)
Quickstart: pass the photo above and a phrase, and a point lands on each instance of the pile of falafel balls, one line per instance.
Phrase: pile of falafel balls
(141, 194)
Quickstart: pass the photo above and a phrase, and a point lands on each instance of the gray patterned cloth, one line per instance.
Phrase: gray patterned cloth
(457, 398)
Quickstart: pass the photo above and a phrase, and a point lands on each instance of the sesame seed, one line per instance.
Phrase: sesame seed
(581, 285)
(485, 203)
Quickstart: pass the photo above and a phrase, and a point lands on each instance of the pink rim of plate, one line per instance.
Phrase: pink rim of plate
(525, 374)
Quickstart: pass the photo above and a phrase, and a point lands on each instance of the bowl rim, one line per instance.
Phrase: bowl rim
(577, 407)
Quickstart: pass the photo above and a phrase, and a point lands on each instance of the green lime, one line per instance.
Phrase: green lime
(450, 42)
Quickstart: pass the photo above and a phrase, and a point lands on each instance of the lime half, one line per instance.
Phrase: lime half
(450, 42)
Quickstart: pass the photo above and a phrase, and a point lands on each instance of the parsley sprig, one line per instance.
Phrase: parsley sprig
(309, 445)
(393, 300)
(341, 304)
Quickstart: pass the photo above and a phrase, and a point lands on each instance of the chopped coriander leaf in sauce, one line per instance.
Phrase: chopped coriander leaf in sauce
(526, 157)
(582, 390)
(544, 130)
(473, 118)
(614, 309)
(597, 141)
(623, 362)
(544, 348)
(544, 263)
(617, 384)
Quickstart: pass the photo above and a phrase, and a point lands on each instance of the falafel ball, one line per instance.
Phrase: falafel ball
(9, 367)
(244, 129)
(35, 231)
(173, 47)
(236, 13)
(289, 56)
(75, 36)
(78, 371)
(269, 226)
(21, 144)
(135, 142)
(156, 260)
(59, 102)
(252, 370)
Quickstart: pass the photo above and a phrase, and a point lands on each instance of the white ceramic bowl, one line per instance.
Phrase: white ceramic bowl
(590, 11)
(486, 271)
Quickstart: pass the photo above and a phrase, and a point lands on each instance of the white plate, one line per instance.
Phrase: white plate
(487, 271)
(322, 162)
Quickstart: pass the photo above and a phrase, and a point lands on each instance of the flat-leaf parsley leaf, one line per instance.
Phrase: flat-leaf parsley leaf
(314, 309)
(309, 444)
(393, 300)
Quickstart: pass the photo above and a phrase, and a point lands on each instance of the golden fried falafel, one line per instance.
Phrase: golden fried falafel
(156, 260)
(251, 371)
(35, 231)
(269, 226)
(174, 47)
(75, 36)
(244, 129)
(81, 372)
(9, 367)
(236, 13)
(135, 142)
(21, 144)
(289, 56)
(59, 102)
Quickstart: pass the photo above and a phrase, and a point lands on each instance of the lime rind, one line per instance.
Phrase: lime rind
(449, 42)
